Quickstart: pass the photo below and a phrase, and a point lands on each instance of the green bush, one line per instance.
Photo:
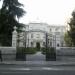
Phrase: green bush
(44, 50)
(48, 50)
(28, 50)
(51, 50)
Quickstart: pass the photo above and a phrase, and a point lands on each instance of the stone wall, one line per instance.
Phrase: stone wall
(65, 53)
(8, 53)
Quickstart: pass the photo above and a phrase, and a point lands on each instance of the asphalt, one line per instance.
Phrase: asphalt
(38, 63)
(37, 68)
(38, 72)
(38, 59)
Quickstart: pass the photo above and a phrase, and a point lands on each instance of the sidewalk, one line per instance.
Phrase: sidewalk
(55, 63)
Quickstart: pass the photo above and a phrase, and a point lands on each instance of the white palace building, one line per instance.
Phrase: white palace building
(39, 33)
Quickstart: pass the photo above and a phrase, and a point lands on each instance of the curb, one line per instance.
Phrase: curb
(38, 63)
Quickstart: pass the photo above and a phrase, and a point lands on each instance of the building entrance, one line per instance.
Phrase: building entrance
(38, 46)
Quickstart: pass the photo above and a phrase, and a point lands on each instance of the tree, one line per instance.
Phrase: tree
(67, 40)
(71, 32)
(11, 11)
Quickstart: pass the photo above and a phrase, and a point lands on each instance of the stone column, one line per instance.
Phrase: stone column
(14, 38)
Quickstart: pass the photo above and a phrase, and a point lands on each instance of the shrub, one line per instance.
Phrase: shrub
(28, 50)
(50, 53)
(44, 50)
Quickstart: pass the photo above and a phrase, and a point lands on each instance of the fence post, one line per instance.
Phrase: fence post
(14, 38)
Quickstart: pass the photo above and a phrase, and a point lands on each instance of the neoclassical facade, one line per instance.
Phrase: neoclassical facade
(41, 34)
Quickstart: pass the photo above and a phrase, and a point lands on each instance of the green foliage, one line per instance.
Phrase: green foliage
(71, 32)
(13, 8)
(9, 12)
(48, 50)
(28, 50)
(50, 53)
(67, 39)
(43, 49)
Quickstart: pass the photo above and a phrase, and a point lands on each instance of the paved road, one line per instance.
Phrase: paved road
(37, 68)
(35, 57)
(39, 72)
(22, 69)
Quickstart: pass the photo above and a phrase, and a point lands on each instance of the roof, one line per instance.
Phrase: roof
(37, 30)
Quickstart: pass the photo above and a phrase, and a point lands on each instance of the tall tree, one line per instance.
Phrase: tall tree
(67, 40)
(71, 32)
(13, 7)
(11, 11)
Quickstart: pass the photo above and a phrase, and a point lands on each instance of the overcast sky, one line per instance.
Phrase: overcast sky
(49, 11)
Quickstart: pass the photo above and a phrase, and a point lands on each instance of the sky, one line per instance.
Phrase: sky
(48, 11)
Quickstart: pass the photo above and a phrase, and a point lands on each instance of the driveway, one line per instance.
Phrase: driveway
(35, 57)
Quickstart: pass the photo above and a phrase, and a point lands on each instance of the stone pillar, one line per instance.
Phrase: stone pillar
(14, 37)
